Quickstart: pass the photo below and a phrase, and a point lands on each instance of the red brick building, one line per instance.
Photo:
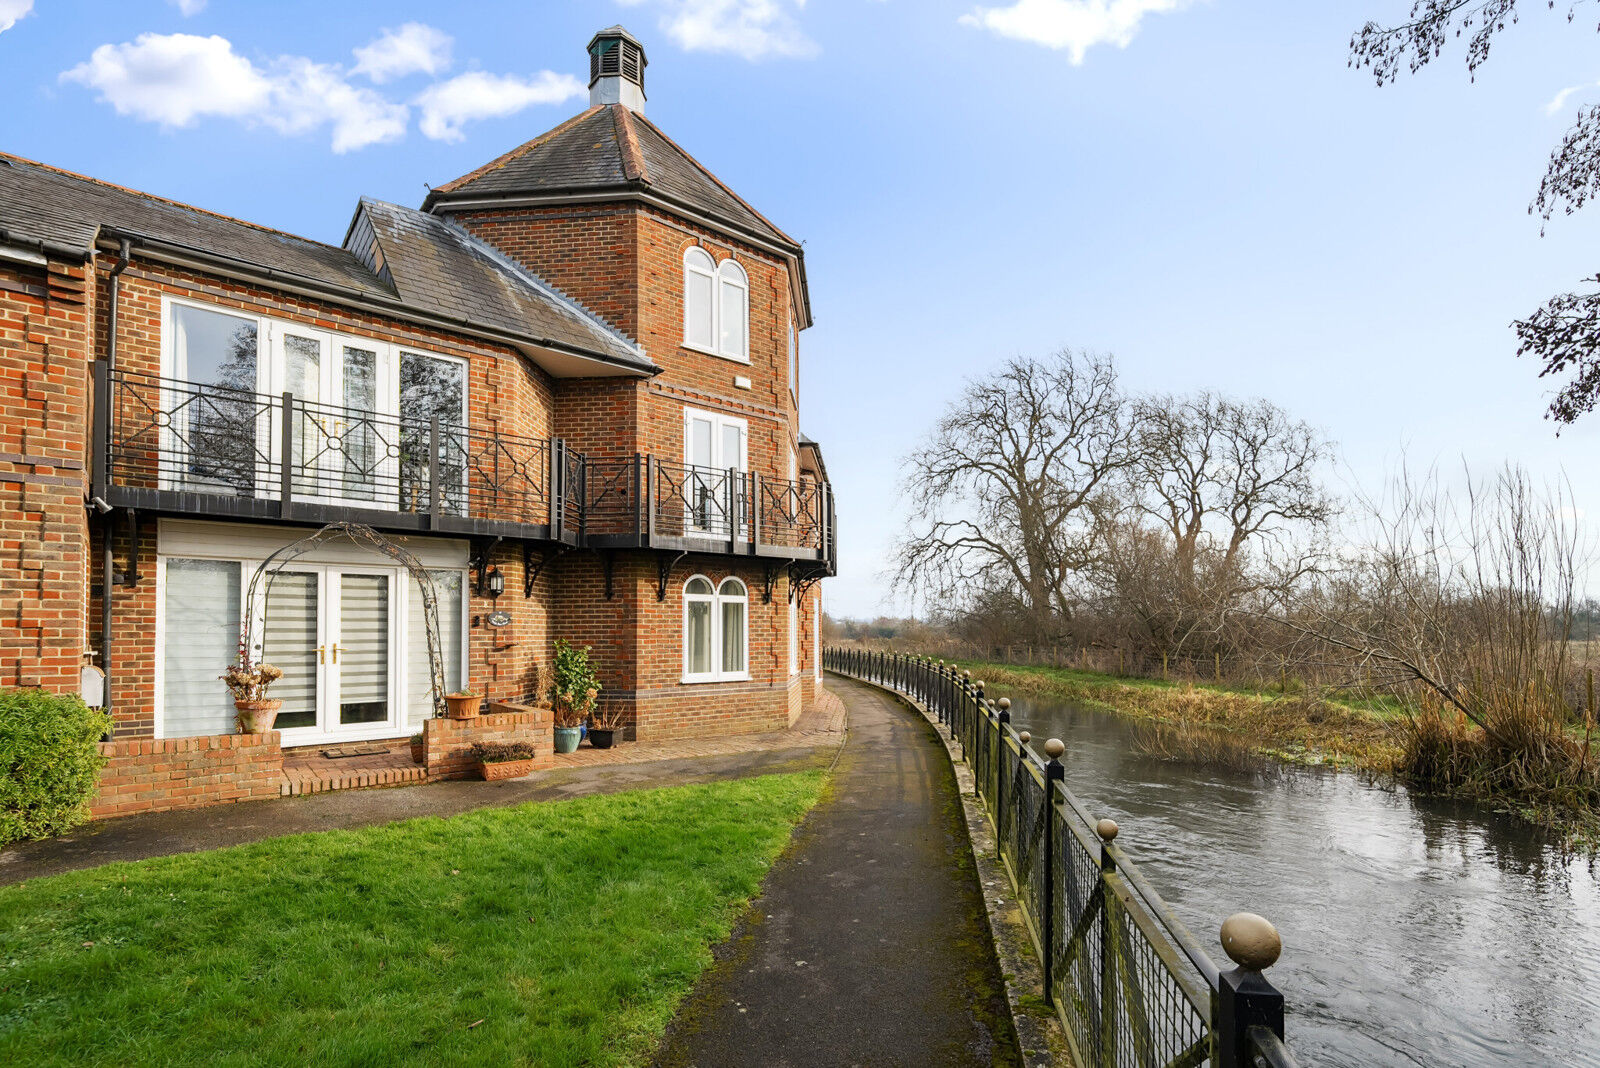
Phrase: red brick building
(567, 387)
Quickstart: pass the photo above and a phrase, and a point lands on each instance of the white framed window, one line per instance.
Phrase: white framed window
(733, 311)
(713, 445)
(716, 306)
(716, 630)
(363, 408)
(794, 635)
(699, 299)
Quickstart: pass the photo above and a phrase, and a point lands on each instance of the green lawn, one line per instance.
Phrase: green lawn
(550, 934)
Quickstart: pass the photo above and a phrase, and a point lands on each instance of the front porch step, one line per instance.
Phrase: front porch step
(310, 772)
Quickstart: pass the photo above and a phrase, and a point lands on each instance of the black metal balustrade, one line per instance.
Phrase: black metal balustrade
(1131, 985)
(184, 448)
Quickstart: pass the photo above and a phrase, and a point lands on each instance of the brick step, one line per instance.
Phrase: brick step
(304, 780)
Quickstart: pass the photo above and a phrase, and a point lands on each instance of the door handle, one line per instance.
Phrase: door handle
(322, 654)
(335, 652)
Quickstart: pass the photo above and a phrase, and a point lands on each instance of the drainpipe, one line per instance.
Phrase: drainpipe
(108, 578)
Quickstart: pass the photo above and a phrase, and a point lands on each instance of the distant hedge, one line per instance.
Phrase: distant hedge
(49, 762)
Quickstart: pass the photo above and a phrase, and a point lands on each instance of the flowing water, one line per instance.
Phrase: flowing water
(1416, 931)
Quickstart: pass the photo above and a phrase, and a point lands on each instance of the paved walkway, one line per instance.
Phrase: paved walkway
(812, 742)
(869, 944)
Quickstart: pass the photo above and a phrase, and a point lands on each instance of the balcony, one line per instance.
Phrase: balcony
(178, 448)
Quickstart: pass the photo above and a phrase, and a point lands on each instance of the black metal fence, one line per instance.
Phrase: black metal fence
(1131, 985)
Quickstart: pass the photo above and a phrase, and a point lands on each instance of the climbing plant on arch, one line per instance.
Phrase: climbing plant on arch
(250, 647)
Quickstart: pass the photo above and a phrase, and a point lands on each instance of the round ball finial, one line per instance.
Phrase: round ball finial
(1005, 703)
(966, 674)
(1026, 737)
(1054, 748)
(1107, 830)
(1251, 941)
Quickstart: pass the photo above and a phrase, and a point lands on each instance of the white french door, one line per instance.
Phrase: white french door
(343, 432)
(333, 631)
(716, 452)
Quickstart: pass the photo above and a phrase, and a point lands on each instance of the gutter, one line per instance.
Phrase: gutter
(208, 262)
(108, 574)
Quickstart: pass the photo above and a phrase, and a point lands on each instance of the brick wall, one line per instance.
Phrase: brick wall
(44, 399)
(154, 776)
(447, 743)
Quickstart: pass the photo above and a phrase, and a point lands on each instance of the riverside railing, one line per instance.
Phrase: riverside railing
(1131, 985)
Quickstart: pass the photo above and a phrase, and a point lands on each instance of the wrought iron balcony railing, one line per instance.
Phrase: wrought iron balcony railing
(185, 448)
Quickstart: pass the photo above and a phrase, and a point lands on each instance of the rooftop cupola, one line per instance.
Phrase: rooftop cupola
(616, 69)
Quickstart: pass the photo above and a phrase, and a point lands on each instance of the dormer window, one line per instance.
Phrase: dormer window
(716, 306)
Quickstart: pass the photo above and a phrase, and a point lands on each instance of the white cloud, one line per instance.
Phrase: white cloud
(754, 29)
(447, 105)
(175, 79)
(412, 49)
(188, 7)
(1560, 99)
(1073, 25)
(11, 11)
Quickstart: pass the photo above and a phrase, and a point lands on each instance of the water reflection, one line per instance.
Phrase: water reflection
(1416, 930)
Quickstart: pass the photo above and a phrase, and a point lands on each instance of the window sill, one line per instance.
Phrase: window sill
(702, 680)
(719, 355)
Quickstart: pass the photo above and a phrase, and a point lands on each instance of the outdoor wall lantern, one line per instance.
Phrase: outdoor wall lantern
(494, 583)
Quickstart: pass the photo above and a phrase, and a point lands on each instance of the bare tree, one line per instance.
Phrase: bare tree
(1005, 493)
(1226, 504)
(1467, 601)
(1563, 336)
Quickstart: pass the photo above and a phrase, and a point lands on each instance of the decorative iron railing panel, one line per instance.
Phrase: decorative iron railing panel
(1131, 985)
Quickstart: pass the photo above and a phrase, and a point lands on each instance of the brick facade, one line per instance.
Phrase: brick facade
(447, 743)
(623, 261)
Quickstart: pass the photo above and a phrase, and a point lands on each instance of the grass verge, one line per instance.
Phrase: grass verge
(555, 934)
(1286, 727)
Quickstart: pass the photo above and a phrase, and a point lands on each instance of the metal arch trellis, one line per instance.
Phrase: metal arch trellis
(356, 532)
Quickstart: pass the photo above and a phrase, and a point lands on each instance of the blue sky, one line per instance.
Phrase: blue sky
(1201, 188)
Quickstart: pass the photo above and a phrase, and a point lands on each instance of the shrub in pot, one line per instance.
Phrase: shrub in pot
(604, 723)
(248, 680)
(572, 694)
(417, 752)
(463, 704)
(49, 762)
(504, 760)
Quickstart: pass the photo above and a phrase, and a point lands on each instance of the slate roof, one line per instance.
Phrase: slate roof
(430, 266)
(610, 148)
(436, 265)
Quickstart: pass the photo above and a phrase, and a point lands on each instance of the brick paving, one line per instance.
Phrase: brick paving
(307, 771)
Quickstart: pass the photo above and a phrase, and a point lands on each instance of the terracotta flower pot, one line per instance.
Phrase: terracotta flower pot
(256, 717)
(462, 705)
(505, 769)
(417, 753)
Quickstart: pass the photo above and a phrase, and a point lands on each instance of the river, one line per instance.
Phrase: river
(1416, 931)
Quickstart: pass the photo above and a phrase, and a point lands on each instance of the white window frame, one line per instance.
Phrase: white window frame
(716, 599)
(707, 270)
(400, 607)
(270, 380)
(794, 634)
(727, 271)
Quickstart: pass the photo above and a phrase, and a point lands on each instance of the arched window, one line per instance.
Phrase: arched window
(733, 311)
(699, 299)
(716, 632)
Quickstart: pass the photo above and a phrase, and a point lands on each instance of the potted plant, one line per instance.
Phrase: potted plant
(249, 681)
(504, 760)
(604, 722)
(572, 694)
(463, 704)
(417, 753)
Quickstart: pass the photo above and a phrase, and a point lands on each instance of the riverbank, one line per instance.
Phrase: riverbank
(1287, 727)
(1234, 727)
